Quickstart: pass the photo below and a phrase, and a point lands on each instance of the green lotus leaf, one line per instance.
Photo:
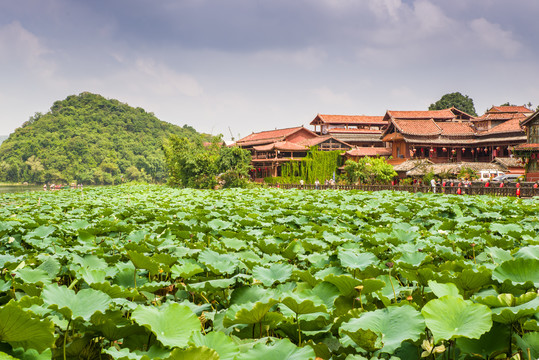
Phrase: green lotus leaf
(218, 341)
(218, 263)
(115, 291)
(444, 289)
(529, 341)
(528, 252)
(469, 279)
(518, 271)
(194, 353)
(171, 324)
(211, 285)
(51, 266)
(280, 349)
(248, 313)
(91, 276)
(451, 317)
(186, 270)
(345, 283)
(496, 339)
(75, 305)
(4, 356)
(510, 314)
(217, 224)
(276, 273)
(357, 260)
(364, 338)
(413, 259)
(154, 353)
(90, 262)
(393, 325)
(42, 232)
(33, 275)
(20, 329)
(498, 255)
(300, 304)
(142, 261)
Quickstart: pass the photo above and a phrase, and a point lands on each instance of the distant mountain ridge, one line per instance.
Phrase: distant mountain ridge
(89, 139)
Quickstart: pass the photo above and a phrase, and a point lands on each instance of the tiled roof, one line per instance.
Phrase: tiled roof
(418, 127)
(501, 116)
(508, 162)
(428, 114)
(347, 119)
(530, 118)
(455, 128)
(270, 135)
(369, 151)
(281, 146)
(510, 109)
(509, 126)
(321, 139)
(527, 147)
(411, 164)
(353, 131)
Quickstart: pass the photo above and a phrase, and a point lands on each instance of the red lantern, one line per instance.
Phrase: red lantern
(478, 149)
(431, 150)
(486, 149)
(473, 151)
(422, 150)
(532, 156)
(444, 149)
(463, 149)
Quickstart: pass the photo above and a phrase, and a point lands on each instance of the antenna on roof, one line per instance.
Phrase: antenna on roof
(231, 136)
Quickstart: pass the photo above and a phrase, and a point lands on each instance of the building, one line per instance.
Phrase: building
(451, 135)
(271, 149)
(529, 152)
(356, 130)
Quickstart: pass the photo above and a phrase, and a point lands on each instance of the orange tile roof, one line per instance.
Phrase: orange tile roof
(508, 126)
(510, 109)
(270, 135)
(369, 151)
(347, 119)
(281, 146)
(455, 128)
(428, 114)
(527, 147)
(321, 139)
(418, 127)
(353, 131)
(501, 116)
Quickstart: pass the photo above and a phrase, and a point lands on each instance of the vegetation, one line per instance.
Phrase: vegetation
(369, 170)
(199, 165)
(457, 100)
(150, 272)
(91, 140)
(3, 138)
(321, 165)
(468, 174)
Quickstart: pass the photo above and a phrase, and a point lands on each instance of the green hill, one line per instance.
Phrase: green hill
(89, 139)
(2, 138)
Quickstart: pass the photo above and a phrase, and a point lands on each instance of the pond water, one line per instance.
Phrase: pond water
(20, 188)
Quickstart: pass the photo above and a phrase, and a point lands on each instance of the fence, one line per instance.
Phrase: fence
(525, 191)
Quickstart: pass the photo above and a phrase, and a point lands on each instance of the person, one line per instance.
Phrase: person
(536, 185)
(301, 183)
(316, 184)
(433, 184)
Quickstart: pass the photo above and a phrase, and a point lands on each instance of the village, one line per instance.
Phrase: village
(504, 140)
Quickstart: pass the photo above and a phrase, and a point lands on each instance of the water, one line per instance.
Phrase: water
(20, 188)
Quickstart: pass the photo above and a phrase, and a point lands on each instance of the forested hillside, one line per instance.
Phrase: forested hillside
(91, 140)
(2, 138)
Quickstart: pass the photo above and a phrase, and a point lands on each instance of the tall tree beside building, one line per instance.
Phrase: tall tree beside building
(457, 100)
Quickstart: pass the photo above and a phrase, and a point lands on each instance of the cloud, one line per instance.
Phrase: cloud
(20, 48)
(492, 36)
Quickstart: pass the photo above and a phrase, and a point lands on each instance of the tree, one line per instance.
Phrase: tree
(192, 163)
(457, 100)
(369, 170)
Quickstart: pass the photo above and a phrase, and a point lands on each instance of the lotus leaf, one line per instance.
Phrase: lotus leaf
(75, 305)
(20, 328)
(218, 341)
(444, 289)
(518, 271)
(392, 325)
(529, 341)
(280, 349)
(218, 263)
(357, 260)
(451, 317)
(171, 324)
(186, 270)
(510, 314)
(276, 273)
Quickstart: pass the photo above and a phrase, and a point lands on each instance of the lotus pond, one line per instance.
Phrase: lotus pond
(150, 272)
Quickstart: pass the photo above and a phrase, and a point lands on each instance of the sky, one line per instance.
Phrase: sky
(240, 66)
